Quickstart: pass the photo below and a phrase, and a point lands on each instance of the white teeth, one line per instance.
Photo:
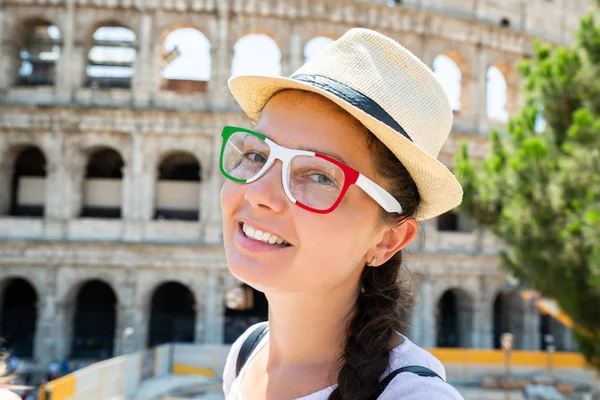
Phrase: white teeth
(259, 235)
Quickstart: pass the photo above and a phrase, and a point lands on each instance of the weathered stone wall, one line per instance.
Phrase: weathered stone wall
(134, 254)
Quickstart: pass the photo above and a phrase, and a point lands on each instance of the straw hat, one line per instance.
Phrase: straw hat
(390, 91)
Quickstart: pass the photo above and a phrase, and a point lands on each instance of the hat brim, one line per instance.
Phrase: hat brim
(438, 187)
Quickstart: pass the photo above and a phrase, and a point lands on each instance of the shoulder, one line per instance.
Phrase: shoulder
(230, 364)
(409, 386)
(6, 394)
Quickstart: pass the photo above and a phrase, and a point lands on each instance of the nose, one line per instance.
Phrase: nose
(267, 192)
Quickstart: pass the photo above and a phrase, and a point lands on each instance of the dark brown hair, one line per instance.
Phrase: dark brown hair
(381, 301)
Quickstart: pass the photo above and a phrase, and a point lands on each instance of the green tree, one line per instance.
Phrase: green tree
(539, 190)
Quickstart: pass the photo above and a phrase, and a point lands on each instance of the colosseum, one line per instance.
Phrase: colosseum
(110, 121)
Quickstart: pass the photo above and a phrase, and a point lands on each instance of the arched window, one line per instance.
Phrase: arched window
(111, 58)
(38, 55)
(103, 185)
(19, 318)
(94, 321)
(508, 318)
(315, 46)
(245, 306)
(172, 315)
(28, 189)
(496, 95)
(186, 61)
(178, 187)
(455, 319)
(256, 54)
(450, 76)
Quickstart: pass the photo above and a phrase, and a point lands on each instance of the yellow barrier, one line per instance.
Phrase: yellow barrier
(183, 369)
(60, 389)
(518, 358)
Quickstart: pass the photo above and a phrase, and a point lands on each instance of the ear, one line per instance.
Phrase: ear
(393, 240)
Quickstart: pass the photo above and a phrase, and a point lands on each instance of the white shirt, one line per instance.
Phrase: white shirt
(404, 386)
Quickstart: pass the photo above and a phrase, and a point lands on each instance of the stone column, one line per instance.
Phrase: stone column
(6, 172)
(62, 335)
(214, 308)
(129, 330)
(133, 190)
(200, 324)
(210, 207)
(45, 344)
(128, 316)
(65, 84)
(427, 313)
(56, 176)
(483, 314)
(483, 335)
(142, 81)
(6, 54)
(74, 163)
(295, 55)
(221, 58)
(478, 90)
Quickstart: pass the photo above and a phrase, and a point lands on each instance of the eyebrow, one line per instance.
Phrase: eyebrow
(308, 148)
(332, 155)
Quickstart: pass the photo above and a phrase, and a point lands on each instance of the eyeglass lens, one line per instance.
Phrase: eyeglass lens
(313, 181)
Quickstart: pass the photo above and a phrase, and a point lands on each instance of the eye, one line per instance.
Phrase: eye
(322, 179)
(255, 157)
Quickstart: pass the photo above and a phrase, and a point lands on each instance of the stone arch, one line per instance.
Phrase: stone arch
(245, 57)
(24, 171)
(114, 20)
(449, 68)
(102, 183)
(508, 317)
(94, 320)
(315, 46)
(502, 82)
(177, 195)
(496, 94)
(172, 314)
(455, 318)
(244, 307)
(18, 315)
(186, 59)
(37, 43)
(111, 55)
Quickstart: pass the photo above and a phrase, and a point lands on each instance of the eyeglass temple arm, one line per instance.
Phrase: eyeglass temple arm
(379, 194)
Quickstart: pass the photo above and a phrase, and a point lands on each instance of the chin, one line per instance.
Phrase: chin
(256, 274)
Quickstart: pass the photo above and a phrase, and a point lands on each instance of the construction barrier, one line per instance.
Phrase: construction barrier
(118, 377)
(121, 377)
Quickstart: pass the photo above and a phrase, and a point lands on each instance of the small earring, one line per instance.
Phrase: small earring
(372, 263)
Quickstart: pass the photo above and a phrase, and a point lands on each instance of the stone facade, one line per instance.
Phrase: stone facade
(67, 121)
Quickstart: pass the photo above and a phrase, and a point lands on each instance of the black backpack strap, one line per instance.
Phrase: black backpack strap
(250, 344)
(421, 371)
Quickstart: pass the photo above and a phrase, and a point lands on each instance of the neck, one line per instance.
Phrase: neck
(309, 329)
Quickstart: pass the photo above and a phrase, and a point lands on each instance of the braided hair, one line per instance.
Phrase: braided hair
(381, 301)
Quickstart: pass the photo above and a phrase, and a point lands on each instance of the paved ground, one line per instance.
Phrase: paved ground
(175, 387)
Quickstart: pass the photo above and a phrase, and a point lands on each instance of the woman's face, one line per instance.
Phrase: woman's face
(326, 250)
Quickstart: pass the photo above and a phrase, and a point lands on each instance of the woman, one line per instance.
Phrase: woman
(323, 193)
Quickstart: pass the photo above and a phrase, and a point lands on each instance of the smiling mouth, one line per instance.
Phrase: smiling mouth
(264, 237)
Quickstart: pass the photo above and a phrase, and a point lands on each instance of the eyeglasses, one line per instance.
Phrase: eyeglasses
(313, 181)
